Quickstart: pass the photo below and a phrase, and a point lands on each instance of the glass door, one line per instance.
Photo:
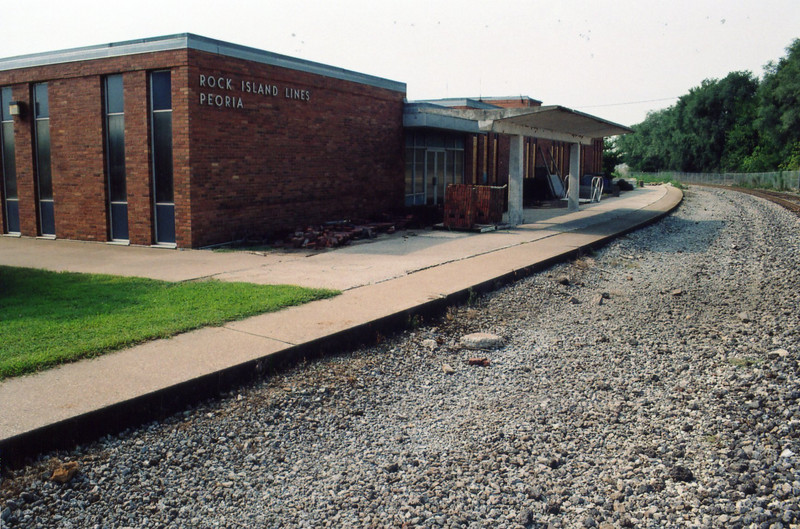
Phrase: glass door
(435, 181)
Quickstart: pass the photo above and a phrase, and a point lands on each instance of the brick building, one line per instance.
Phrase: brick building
(187, 141)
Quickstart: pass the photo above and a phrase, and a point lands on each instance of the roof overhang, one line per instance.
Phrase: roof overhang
(551, 122)
(424, 115)
(190, 41)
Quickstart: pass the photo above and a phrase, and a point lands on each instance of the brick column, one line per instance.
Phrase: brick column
(180, 157)
(137, 158)
(76, 152)
(23, 154)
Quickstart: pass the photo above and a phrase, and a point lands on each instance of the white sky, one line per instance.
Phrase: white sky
(587, 55)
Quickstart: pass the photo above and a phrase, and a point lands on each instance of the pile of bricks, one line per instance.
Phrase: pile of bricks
(341, 233)
(491, 201)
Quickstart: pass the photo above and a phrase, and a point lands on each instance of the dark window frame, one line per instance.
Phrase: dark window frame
(162, 160)
(116, 171)
(43, 161)
(8, 165)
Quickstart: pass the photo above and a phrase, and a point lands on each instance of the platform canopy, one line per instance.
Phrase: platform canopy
(546, 122)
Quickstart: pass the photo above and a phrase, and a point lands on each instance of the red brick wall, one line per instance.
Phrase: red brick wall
(514, 102)
(77, 152)
(183, 181)
(503, 156)
(279, 163)
(553, 151)
(592, 157)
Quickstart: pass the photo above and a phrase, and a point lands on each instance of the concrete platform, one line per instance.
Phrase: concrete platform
(384, 282)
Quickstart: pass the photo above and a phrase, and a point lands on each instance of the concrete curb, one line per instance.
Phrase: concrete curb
(18, 450)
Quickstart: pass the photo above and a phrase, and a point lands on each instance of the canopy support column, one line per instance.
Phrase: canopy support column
(515, 174)
(574, 177)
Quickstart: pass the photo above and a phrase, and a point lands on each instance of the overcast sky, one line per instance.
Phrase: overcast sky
(616, 59)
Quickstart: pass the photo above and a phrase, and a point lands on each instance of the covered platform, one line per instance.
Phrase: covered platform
(527, 119)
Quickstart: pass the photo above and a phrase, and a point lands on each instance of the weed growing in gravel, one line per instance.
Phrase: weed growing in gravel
(473, 298)
(584, 263)
(623, 263)
(414, 321)
(713, 440)
(743, 362)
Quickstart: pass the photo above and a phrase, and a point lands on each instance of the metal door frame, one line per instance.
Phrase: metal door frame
(437, 153)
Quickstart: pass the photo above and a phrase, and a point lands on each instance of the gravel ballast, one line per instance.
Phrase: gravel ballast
(653, 383)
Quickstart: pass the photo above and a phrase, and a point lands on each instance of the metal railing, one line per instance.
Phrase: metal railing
(779, 180)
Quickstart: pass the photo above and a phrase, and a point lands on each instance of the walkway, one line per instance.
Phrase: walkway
(385, 281)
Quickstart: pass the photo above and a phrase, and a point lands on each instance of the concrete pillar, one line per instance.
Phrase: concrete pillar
(515, 173)
(574, 176)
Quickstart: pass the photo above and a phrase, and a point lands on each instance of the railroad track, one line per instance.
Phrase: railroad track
(789, 201)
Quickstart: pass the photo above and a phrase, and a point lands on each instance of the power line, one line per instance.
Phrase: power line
(630, 103)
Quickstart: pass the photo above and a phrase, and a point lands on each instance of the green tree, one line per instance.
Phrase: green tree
(715, 123)
(611, 156)
(649, 147)
(792, 162)
(732, 124)
(779, 110)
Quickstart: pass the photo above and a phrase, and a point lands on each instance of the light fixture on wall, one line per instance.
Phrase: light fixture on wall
(16, 108)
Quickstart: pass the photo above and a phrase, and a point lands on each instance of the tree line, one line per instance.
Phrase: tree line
(735, 124)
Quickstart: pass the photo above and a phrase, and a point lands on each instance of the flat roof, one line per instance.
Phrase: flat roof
(526, 99)
(550, 122)
(466, 102)
(195, 42)
(559, 119)
(420, 114)
(479, 102)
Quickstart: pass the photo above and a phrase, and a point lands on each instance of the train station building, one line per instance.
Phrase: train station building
(186, 141)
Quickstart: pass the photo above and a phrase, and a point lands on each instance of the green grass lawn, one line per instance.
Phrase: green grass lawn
(49, 318)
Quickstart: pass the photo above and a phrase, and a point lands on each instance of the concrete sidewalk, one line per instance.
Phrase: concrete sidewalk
(384, 282)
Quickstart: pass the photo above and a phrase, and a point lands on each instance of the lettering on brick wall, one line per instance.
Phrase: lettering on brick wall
(217, 100)
(221, 91)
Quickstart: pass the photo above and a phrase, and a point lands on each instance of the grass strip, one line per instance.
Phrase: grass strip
(50, 318)
(659, 179)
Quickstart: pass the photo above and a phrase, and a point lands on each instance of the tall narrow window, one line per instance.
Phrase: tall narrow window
(115, 156)
(9, 183)
(161, 126)
(44, 178)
